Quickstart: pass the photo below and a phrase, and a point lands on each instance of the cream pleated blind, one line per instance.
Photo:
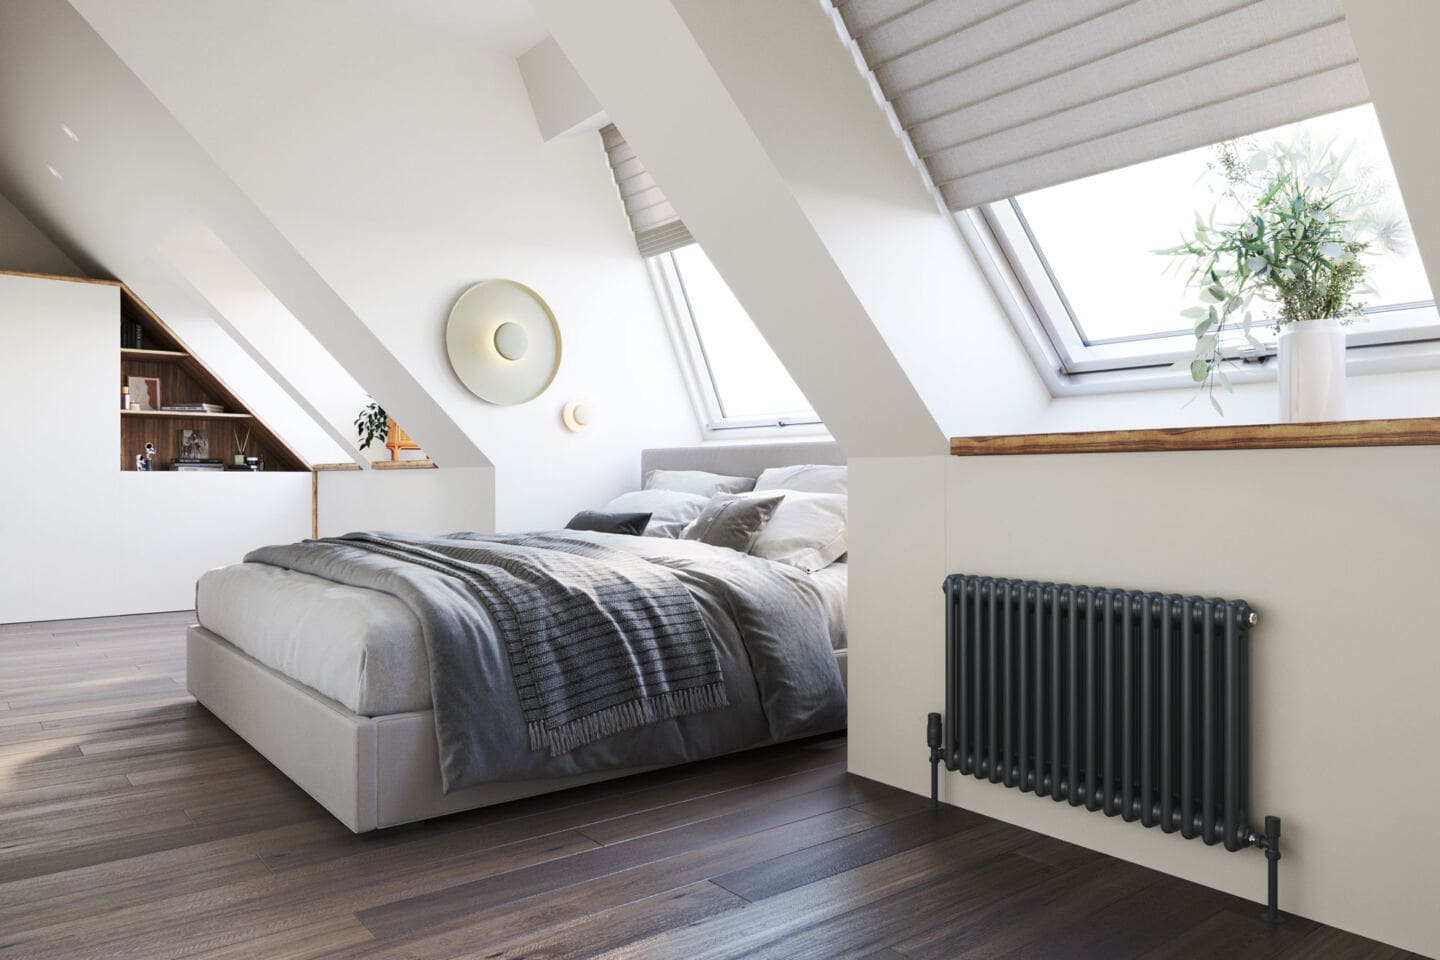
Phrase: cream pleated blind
(657, 226)
(1002, 97)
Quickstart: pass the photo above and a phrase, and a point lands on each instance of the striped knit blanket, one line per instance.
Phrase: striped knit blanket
(599, 641)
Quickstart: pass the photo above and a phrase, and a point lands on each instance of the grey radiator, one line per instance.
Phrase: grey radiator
(1132, 704)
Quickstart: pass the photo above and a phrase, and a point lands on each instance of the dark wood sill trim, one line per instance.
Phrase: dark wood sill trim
(1417, 432)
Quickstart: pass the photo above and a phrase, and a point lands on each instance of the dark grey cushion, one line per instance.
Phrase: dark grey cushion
(733, 521)
(601, 522)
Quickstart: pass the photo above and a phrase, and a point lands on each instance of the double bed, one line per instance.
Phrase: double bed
(329, 676)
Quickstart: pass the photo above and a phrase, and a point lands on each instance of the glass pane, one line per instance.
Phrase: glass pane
(1098, 234)
(749, 379)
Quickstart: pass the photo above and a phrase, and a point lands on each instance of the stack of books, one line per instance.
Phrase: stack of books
(193, 408)
(196, 465)
(132, 335)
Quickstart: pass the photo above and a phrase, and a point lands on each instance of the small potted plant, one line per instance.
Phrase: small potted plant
(1290, 229)
(371, 424)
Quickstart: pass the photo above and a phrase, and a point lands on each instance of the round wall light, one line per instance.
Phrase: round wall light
(503, 342)
(577, 415)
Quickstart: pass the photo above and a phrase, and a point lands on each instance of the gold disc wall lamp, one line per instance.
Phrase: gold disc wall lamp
(503, 342)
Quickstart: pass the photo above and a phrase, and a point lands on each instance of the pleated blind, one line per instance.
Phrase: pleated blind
(1002, 97)
(658, 228)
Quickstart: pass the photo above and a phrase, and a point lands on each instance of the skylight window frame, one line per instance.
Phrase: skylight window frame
(696, 371)
(1410, 333)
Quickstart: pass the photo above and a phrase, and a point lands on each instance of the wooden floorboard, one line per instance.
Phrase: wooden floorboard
(135, 826)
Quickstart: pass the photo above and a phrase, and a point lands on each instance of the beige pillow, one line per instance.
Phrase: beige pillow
(697, 481)
(808, 531)
(807, 478)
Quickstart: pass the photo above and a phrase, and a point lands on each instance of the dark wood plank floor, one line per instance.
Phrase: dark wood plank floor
(134, 825)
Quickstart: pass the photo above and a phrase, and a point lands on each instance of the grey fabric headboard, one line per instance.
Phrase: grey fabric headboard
(740, 459)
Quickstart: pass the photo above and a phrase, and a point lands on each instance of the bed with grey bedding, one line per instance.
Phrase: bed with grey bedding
(685, 650)
(388, 689)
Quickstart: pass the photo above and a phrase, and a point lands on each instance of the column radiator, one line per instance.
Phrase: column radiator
(1132, 704)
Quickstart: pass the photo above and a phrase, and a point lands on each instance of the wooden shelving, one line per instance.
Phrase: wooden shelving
(130, 353)
(185, 380)
(187, 414)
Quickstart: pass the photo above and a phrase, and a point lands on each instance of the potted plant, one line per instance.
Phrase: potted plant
(371, 424)
(1289, 229)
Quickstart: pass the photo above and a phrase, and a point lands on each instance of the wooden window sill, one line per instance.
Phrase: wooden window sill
(1420, 431)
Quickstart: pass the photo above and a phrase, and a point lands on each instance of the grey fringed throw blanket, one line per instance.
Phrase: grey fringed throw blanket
(598, 641)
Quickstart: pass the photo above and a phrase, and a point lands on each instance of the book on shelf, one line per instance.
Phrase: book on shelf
(198, 467)
(193, 408)
(132, 335)
(198, 460)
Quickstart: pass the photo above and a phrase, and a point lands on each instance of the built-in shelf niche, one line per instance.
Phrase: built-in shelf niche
(184, 379)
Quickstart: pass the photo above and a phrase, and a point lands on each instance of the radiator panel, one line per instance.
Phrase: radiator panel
(1134, 704)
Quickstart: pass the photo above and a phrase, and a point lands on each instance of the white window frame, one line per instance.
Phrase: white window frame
(695, 368)
(1392, 339)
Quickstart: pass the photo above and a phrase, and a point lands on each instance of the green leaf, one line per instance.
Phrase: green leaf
(1182, 364)
(1216, 404)
(1206, 344)
(1195, 313)
(1199, 370)
(1218, 292)
(1204, 326)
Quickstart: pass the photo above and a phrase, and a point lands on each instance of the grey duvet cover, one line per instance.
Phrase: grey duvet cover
(766, 621)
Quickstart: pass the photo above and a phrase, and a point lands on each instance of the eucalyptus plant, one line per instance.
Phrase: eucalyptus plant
(1288, 229)
(371, 425)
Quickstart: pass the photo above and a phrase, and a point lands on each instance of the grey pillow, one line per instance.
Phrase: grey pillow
(734, 521)
(697, 481)
(671, 511)
(599, 521)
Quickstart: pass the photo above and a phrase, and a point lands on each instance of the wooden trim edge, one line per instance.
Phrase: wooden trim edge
(1416, 432)
(327, 467)
(403, 465)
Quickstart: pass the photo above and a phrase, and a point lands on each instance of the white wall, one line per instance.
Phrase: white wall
(81, 538)
(412, 168)
(409, 501)
(23, 247)
(1334, 548)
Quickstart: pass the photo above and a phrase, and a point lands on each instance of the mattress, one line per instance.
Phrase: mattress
(361, 648)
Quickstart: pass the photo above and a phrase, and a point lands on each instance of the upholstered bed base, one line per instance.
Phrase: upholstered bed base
(370, 772)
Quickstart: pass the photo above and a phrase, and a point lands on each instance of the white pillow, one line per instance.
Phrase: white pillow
(807, 531)
(697, 481)
(807, 478)
(670, 510)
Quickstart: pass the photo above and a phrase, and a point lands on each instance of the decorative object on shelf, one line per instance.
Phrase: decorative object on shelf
(125, 397)
(144, 393)
(194, 408)
(1295, 218)
(371, 424)
(242, 446)
(503, 342)
(145, 461)
(195, 445)
(400, 444)
(577, 415)
(197, 465)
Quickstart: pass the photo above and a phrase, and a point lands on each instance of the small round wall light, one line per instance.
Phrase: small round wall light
(577, 415)
(503, 342)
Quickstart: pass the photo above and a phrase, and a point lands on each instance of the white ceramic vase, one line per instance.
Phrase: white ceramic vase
(1312, 371)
